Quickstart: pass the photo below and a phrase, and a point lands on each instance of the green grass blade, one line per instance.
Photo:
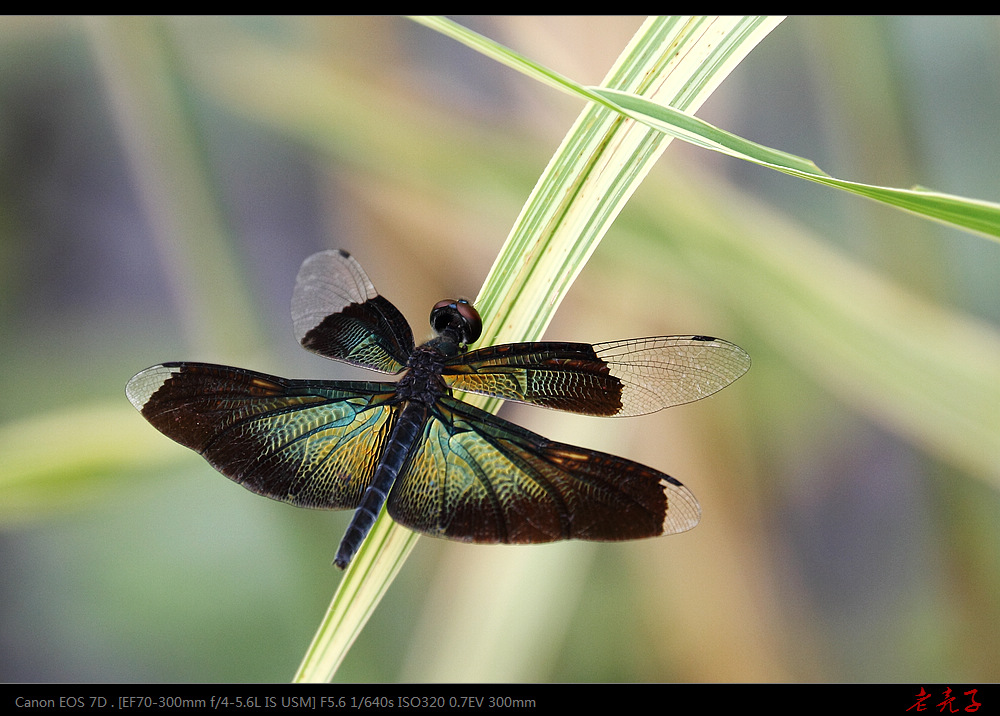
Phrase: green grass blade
(677, 120)
(600, 163)
(365, 582)
(982, 217)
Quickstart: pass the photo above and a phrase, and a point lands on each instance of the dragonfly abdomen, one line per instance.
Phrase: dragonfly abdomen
(405, 434)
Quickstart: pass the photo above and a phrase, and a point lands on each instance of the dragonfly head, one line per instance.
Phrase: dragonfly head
(458, 319)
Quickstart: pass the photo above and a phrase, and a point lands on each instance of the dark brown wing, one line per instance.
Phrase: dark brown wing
(338, 314)
(309, 443)
(475, 477)
(631, 377)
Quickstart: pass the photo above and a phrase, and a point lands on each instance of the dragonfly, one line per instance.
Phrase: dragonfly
(438, 465)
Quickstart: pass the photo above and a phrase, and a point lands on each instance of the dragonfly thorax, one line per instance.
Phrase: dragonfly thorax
(422, 382)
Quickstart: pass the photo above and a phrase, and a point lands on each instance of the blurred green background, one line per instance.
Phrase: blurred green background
(162, 180)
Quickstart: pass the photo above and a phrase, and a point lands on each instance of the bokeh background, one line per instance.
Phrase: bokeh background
(162, 180)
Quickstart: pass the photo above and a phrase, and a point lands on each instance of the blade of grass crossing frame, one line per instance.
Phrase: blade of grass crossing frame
(600, 163)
